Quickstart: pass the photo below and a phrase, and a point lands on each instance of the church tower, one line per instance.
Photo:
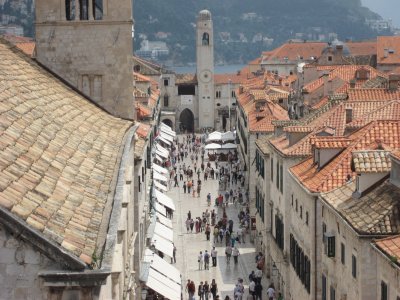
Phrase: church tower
(205, 69)
(89, 44)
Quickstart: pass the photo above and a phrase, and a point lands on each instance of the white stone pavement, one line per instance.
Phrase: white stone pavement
(190, 244)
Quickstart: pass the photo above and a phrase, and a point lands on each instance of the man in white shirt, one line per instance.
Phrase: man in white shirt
(252, 286)
(200, 260)
(271, 292)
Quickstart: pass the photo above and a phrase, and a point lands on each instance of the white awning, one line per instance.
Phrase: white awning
(162, 245)
(163, 285)
(164, 220)
(160, 169)
(212, 146)
(163, 125)
(162, 154)
(229, 146)
(159, 158)
(160, 209)
(214, 136)
(166, 136)
(161, 266)
(170, 132)
(159, 176)
(228, 136)
(162, 149)
(164, 231)
(160, 186)
(164, 200)
(164, 139)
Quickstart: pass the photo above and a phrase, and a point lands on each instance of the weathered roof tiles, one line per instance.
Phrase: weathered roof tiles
(60, 155)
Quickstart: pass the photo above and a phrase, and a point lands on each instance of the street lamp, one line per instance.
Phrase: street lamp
(229, 106)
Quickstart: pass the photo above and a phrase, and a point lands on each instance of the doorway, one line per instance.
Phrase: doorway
(186, 120)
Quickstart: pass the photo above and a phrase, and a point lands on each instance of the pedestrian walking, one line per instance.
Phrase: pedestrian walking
(206, 288)
(258, 291)
(200, 260)
(184, 187)
(271, 292)
(191, 225)
(235, 254)
(200, 291)
(206, 260)
(214, 253)
(252, 289)
(208, 232)
(214, 289)
(228, 253)
(187, 225)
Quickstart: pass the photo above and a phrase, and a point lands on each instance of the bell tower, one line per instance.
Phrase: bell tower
(89, 44)
(205, 69)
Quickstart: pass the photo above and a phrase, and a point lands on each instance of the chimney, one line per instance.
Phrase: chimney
(280, 81)
(325, 77)
(371, 166)
(349, 115)
(352, 83)
(240, 89)
(339, 49)
(394, 80)
(385, 52)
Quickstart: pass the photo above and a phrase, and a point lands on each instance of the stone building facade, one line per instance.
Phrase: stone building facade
(89, 44)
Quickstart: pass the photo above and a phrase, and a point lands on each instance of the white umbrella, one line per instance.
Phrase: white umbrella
(229, 146)
(228, 136)
(212, 146)
(214, 136)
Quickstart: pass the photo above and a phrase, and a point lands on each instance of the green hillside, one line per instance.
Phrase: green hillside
(278, 20)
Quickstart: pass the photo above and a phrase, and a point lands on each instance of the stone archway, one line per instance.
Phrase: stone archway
(186, 120)
(169, 123)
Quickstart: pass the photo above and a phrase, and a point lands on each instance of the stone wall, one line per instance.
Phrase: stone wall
(20, 264)
(94, 56)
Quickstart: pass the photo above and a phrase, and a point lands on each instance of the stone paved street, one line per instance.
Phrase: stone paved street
(190, 244)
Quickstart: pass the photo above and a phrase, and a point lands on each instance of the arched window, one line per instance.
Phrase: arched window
(166, 100)
(206, 39)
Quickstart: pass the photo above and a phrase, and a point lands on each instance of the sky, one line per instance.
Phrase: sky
(388, 9)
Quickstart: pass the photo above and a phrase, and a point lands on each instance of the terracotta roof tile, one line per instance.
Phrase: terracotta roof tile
(306, 129)
(330, 142)
(390, 246)
(294, 50)
(362, 48)
(338, 171)
(59, 157)
(389, 43)
(375, 213)
(373, 94)
(140, 78)
(345, 73)
(371, 161)
(235, 78)
(143, 130)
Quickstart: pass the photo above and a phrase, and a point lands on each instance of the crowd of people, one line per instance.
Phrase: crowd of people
(214, 221)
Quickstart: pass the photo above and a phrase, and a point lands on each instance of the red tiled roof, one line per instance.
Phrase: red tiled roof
(390, 43)
(390, 246)
(387, 111)
(295, 50)
(140, 78)
(396, 154)
(373, 94)
(143, 130)
(298, 129)
(329, 142)
(142, 111)
(28, 48)
(362, 48)
(345, 73)
(338, 171)
(235, 78)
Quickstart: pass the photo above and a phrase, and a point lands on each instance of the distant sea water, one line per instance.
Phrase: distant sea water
(217, 69)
